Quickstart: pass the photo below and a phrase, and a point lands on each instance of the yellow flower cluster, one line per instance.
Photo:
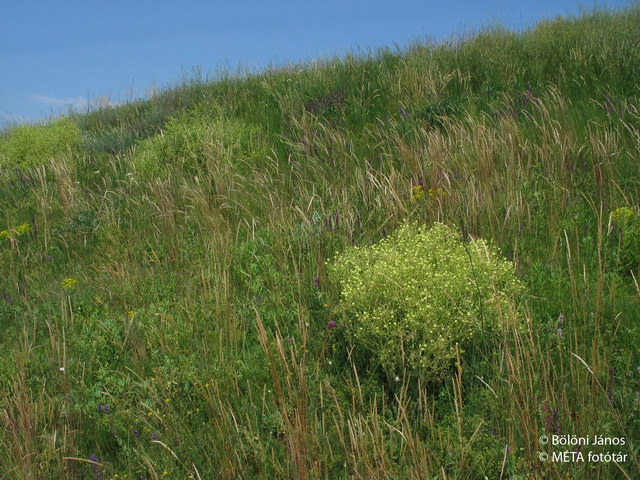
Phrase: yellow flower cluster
(419, 192)
(419, 294)
(16, 231)
(437, 192)
(69, 283)
(620, 216)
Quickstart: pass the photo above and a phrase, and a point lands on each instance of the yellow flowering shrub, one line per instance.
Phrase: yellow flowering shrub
(409, 299)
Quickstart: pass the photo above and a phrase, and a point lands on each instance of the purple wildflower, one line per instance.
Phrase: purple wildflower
(96, 468)
(154, 436)
(331, 324)
(316, 282)
(552, 423)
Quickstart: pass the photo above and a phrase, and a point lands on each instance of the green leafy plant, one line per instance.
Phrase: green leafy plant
(626, 223)
(415, 297)
(436, 112)
(33, 145)
(192, 139)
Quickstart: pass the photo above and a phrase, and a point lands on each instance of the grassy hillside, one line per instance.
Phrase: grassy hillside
(166, 306)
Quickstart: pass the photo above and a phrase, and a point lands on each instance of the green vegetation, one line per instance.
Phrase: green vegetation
(626, 227)
(168, 311)
(35, 145)
(191, 138)
(412, 301)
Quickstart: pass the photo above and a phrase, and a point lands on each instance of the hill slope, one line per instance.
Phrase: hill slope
(165, 303)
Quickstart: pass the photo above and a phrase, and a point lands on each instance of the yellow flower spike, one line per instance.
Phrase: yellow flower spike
(131, 313)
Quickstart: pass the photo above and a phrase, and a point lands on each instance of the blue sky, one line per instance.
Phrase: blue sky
(59, 53)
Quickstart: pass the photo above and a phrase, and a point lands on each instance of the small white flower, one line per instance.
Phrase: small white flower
(397, 379)
(62, 369)
(330, 362)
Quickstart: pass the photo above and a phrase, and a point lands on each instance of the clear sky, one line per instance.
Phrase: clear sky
(59, 53)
